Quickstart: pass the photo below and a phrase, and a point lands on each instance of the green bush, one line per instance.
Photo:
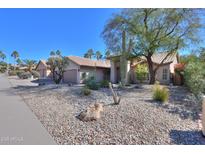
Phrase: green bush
(12, 73)
(92, 84)
(2, 69)
(18, 73)
(104, 83)
(25, 75)
(120, 86)
(141, 72)
(35, 74)
(160, 93)
(85, 91)
(194, 75)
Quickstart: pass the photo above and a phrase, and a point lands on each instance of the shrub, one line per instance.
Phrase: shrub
(92, 84)
(85, 91)
(12, 73)
(104, 83)
(25, 75)
(3, 69)
(35, 74)
(194, 75)
(141, 72)
(160, 93)
(120, 86)
(19, 73)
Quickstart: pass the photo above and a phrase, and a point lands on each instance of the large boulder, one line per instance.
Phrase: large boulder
(93, 112)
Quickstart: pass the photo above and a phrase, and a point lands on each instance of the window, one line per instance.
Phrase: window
(165, 74)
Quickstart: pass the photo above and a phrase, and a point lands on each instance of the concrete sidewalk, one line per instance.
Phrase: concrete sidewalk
(18, 125)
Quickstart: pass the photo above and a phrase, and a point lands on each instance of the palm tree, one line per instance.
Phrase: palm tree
(86, 55)
(90, 53)
(98, 55)
(2, 55)
(19, 61)
(107, 54)
(58, 52)
(52, 53)
(30, 64)
(15, 55)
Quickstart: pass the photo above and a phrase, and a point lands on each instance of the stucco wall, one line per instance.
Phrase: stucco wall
(71, 76)
(172, 65)
(99, 73)
(72, 73)
(72, 66)
(41, 66)
(43, 71)
(159, 74)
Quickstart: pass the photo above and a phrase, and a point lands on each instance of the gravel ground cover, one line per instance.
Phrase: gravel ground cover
(137, 120)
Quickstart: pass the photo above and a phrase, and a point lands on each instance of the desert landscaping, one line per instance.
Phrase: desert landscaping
(136, 120)
(144, 84)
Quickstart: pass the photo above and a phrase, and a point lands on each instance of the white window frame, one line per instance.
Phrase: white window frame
(165, 74)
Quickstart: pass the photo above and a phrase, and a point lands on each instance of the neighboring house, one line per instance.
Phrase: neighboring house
(80, 69)
(43, 69)
(164, 73)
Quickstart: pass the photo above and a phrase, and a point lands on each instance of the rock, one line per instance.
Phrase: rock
(92, 113)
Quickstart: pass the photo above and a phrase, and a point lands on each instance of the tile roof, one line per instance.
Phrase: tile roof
(158, 57)
(44, 62)
(88, 62)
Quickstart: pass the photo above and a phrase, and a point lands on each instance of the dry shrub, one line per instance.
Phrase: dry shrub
(93, 112)
(160, 93)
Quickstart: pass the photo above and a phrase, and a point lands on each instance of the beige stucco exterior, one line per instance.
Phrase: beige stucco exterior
(74, 73)
(168, 67)
(159, 74)
(43, 70)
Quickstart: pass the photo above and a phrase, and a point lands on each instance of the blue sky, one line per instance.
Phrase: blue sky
(35, 32)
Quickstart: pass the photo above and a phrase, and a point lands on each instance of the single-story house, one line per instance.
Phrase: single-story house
(81, 68)
(43, 69)
(164, 73)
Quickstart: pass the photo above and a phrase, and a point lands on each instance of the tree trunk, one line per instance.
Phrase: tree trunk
(152, 72)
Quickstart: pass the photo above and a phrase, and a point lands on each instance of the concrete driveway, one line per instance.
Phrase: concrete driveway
(18, 125)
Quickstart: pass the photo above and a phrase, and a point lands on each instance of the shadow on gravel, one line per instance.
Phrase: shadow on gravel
(181, 103)
(46, 81)
(187, 137)
(32, 89)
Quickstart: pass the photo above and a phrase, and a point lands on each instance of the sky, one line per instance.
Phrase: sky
(36, 32)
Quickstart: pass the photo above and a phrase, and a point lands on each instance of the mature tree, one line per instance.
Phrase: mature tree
(194, 56)
(89, 54)
(58, 52)
(19, 61)
(2, 55)
(202, 54)
(149, 31)
(107, 54)
(52, 53)
(58, 64)
(30, 64)
(15, 55)
(86, 55)
(98, 55)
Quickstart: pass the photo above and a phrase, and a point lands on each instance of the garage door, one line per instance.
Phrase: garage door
(70, 76)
